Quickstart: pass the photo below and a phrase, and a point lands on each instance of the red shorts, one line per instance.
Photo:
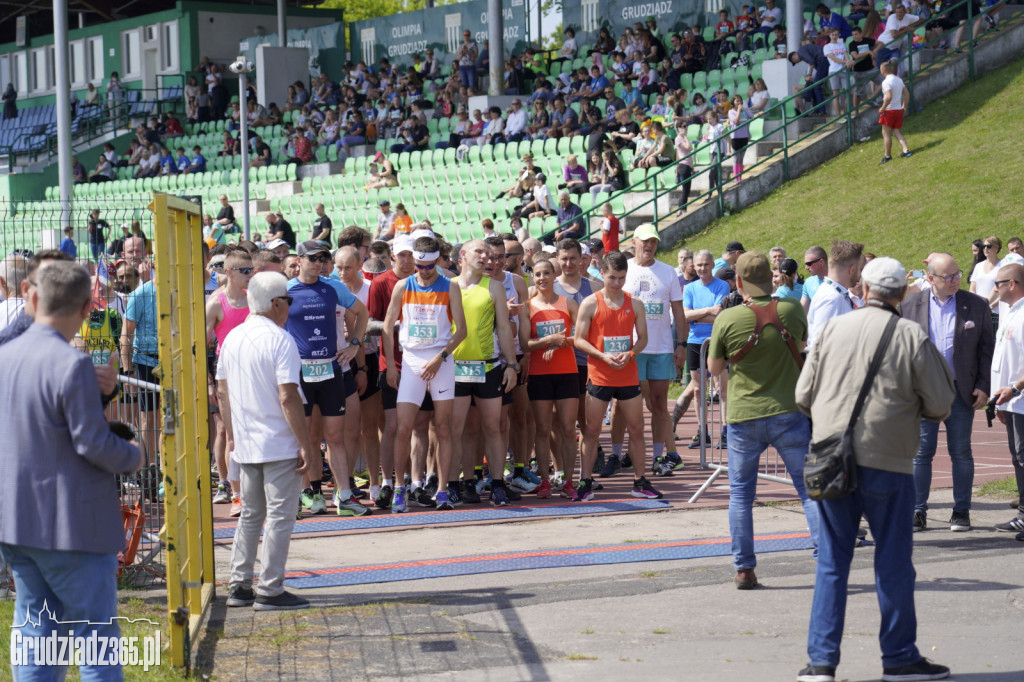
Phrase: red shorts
(893, 118)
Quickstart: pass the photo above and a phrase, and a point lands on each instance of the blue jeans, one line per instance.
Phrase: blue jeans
(97, 250)
(959, 425)
(789, 434)
(468, 76)
(75, 586)
(886, 499)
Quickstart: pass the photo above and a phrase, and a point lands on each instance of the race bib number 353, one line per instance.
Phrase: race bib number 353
(422, 331)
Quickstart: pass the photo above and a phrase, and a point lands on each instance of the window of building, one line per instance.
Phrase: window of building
(76, 66)
(20, 72)
(94, 60)
(131, 55)
(40, 71)
(169, 46)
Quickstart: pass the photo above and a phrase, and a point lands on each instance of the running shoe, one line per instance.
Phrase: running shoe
(695, 442)
(499, 496)
(442, 502)
(674, 460)
(422, 497)
(658, 468)
(922, 670)
(513, 494)
(286, 601)
(306, 498)
(568, 491)
(642, 488)
(398, 505)
(484, 484)
(352, 507)
(469, 493)
(319, 505)
(532, 476)
(383, 499)
(1014, 525)
(599, 462)
(521, 484)
(627, 462)
(584, 492)
(455, 493)
(223, 494)
(534, 467)
(556, 481)
(298, 514)
(816, 673)
(357, 493)
(544, 491)
(612, 466)
(432, 485)
(236, 506)
(241, 596)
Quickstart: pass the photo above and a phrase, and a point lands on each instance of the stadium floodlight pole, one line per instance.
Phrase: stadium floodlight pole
(794, 26)
(496, 52)
(243, 67)
(60, 41)
(282, 29)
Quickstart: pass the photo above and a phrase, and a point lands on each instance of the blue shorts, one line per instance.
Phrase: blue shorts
(656, 366)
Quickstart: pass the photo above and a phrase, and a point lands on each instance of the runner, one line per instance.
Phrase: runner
(604, 331)
(313, 322)
(226, 309)
(553, 375)
(481, 379)
(427, 304)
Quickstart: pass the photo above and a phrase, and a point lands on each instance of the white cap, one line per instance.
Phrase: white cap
(401, 244)
(884, 272)
(273, 244)
(548, 248)
(585, 249)
(422, 232)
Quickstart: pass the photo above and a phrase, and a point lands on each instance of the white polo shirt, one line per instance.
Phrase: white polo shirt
(1008, 357)
(256, 358)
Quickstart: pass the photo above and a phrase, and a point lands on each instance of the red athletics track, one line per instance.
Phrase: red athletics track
(991, 462)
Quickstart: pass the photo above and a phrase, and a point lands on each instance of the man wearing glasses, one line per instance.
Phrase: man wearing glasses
(318, 319)
(258, 380)
(226, 309)
(816, 262)
(959, 324)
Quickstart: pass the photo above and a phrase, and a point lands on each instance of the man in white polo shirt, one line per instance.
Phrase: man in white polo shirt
(258, 391)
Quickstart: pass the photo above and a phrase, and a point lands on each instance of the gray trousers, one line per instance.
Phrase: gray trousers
(270, 492)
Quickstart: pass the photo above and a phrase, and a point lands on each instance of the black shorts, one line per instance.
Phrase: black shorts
(490, 387)
(739, 143)
(328, 395)
(147, 399)
(552, 386)
(607, 393)
(693, 356)
(372, 376)
(581, 379)
(389, 396)
(663, 160)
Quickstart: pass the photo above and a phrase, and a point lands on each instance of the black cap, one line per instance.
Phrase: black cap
(596, 245)
(310, 247)
(734, 246)
(788, 266)
(726, 274)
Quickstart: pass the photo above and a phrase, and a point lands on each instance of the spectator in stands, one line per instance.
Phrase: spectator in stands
(192, 100)
(466, 56)
(115, 93)
(540, 205)
(601, 175)
(415, 136)
(181, 161)
(384, 176)
(694, 52)
(575, 176)
(78, 173)
(148, 166)
(13, 271)
(898, 24)
(515, 124)
(827, 20)
(564, 120)
(385, 222)
(279, 228)
(103, 171)
(261, 153)
(226, 215)
(493, 129)
(605, 43)
(231, 146)
(540, 121)
(768, 18)
(67, 245)
(10, 98)
(322, 226)
(570, 213)
(167, 164)
(198, 163)
(301, 150)
(662, 150)
(354, 135)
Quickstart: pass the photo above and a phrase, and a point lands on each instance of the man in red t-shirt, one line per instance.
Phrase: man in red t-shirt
(611, 230)
(377, 302)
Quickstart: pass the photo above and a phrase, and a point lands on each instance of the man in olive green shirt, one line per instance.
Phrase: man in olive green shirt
(761, 410)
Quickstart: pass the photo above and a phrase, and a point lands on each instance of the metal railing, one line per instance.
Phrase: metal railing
(781, 115)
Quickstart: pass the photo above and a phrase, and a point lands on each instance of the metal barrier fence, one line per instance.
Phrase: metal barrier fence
(711, 414)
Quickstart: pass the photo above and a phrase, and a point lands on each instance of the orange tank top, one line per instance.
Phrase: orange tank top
(547, 321)
(611, 331)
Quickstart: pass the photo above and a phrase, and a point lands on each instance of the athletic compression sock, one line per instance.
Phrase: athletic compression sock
(657, 449)
(316, 487)
(617, 450)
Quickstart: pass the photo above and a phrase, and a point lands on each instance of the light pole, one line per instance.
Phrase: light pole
(243, 67)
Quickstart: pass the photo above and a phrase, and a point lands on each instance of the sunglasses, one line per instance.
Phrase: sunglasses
(321, 258)
(286, 299)
(244, 271)
(811, 262)
(987, 246)
(1000, 282)
(425, 267)
(512, 255)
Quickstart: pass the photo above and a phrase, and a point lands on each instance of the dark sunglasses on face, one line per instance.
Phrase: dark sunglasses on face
(244, 271)
(319, 258)
(425, 267)
(811, 262)
(286, 299)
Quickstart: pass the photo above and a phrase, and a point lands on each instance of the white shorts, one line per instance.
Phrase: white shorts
(412, 388)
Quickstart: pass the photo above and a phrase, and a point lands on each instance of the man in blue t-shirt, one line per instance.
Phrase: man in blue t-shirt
(816, 262)
(321, 311)
(702, 302)
(181, 161)
(198, 164)
(140, 347)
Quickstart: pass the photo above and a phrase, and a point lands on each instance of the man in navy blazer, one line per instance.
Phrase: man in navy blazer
(60, 520)
(959, 324)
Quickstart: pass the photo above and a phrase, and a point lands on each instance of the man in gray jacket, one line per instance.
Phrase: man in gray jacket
(913, 382)
(60, 522)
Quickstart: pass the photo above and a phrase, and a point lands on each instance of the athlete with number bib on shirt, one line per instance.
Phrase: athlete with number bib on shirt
(325, 382)
(605, 328)
(429, 307)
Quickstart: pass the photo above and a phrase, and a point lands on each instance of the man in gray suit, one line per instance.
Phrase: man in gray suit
(60, 522)
(959, 324)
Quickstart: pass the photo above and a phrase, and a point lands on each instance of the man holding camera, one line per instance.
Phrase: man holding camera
(913, 382)
(959, 324)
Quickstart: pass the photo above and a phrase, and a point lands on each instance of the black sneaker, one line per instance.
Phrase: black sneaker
(643, 489)
(885, 160)
(1014, 525)
(695, 442)
(612, 466)
(469, 493)
(723, 444)
(513, 494)
(383, 500)
(432, 485)
(241, 596)
(920, 521)
(499, 497)
(816, 673)
(599, 462)
(455, 493)
(922, 670)
(422, 498)
(627, 462)
(286, 601)
(907, 154)
(357, 493)
(960, 522)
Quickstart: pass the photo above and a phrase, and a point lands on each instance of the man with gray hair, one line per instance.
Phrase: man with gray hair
(914, 382)
(570, 213)
(258, 385)
(13, 270)
(62, 551)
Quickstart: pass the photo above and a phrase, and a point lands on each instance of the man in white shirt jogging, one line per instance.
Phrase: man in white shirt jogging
(890, 115)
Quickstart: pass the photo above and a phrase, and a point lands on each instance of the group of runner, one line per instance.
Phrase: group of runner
(474, 363)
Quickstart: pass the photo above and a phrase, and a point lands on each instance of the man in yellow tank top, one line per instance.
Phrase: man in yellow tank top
(480, 379)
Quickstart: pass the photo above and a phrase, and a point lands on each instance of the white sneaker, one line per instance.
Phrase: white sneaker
(374, 492)
(319, 505)
(522, 485)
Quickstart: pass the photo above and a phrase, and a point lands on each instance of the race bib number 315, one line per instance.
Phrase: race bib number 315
(470, 372)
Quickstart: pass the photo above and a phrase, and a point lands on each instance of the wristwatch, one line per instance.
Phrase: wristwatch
(680, 343)
(444, 355)
(1014, 390)
(514, 366)
(353, 342)
(361, 368)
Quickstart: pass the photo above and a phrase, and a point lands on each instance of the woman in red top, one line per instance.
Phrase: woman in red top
(604, 331)
(553, 375)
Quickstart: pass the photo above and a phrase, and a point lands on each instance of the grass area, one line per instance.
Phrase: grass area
(1005, 486)
(131, 608)
(952, 191)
